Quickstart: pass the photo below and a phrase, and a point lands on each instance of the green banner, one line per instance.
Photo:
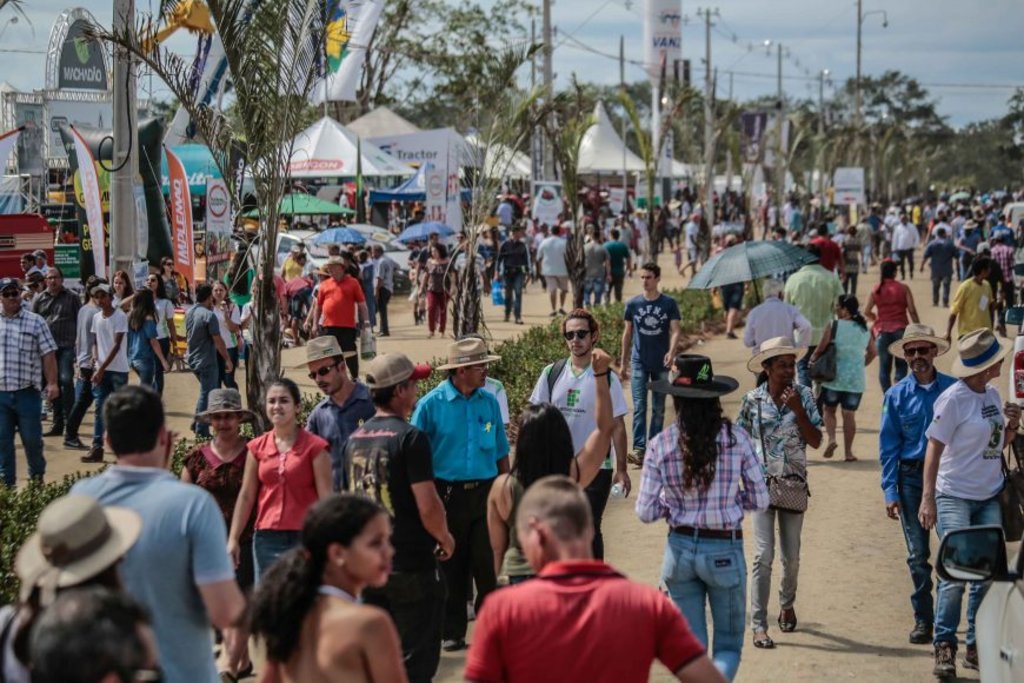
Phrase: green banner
(65, 256)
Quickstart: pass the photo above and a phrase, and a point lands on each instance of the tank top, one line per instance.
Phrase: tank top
(515, 563)
(891, 300)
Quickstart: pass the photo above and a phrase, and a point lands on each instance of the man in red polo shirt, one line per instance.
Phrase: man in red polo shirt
(579, 619)
(334, 310)
(831, 254)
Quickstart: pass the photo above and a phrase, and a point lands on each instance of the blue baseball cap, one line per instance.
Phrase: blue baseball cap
(8, 282)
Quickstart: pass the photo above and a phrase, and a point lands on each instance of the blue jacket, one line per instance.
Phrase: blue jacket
(906, 413)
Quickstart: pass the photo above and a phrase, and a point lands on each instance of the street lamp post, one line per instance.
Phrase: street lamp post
(861, 16)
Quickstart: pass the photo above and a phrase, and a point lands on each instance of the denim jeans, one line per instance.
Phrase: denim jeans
(209, 379)
(639, 377)
(268, 545)
(21, 410)
(593, 290)
(885, 360)
(415, 601)
(224, 378)
(111, 382)
(790, 526)
(83, 399)
(709, 571)
(146, 368)
(803, 365)
(514, 295)
(910, 483)
(957, 513)
(944, 283)
(66, 381)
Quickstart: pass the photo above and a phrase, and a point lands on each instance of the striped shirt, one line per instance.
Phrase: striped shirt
(738, 484)
(24, 340)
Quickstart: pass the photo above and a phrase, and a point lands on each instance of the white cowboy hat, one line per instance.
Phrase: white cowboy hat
(918, 332)
(777, 346)
(978, 351)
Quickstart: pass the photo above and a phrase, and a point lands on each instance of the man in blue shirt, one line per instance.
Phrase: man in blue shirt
(906, 414)
(346, 405)
(469, 449)
(942, 252)
(650, 336)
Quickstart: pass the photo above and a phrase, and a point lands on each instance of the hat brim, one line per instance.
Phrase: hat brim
(483, 361)
(960, 370)
(31, 564)
(896, 348)
(718, 386)
(419, 371)
(758, 359)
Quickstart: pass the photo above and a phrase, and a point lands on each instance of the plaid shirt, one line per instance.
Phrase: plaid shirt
(1003, 255)
(721, 506)
(24, 340)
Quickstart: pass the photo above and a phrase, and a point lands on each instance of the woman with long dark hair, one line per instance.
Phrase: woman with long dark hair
(123, 289)
(144, 351)
(855, 349)
(895, 305)
(438, 284)
(700, 474)
(544, 446)
(307, 609)
(166, 332)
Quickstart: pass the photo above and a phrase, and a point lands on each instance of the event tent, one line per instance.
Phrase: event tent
(199, 165)
(327, 149)
(299, 204)
(501, 160)
(601, 149)
(381, 121)
(412, 190)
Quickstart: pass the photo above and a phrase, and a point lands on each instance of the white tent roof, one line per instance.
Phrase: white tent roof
(381, 121)
(502, 160)
(601, 148)
(328, 150)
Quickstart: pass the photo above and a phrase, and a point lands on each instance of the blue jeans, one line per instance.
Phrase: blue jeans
(146, 367)
(268, 545)
(910, 483)
(111, 382)
(707, 571)
(21, 410)
(224, 378)
(957, 513)
(209, 379)
(66, 382)
(885, 360)
(83, 399)
(593, 290)
(639, 376)
(514, 294)
(802, 366)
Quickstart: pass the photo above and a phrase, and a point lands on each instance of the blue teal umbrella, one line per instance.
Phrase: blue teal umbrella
(338, 236)
(422, 231)
(749, 261)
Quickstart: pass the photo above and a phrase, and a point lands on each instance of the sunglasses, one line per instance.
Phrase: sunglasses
(322, 371)
(909, 351)
(576, 334)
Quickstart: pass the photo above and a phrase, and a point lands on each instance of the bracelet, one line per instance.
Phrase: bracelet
(601, 374)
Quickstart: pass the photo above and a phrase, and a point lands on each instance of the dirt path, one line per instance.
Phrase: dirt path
(853, 600)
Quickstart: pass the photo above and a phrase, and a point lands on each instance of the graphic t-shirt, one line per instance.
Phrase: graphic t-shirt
(651, 321)
(385, 457)
(106, 331)
(971, 425)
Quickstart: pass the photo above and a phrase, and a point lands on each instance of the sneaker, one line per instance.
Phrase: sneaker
(945, 661)
(453, 644)
(55, 430)
(95, 455)
(636, 457)
(552, 314)
(561, 311)
(921, 634)
(971, 657)
(74, 443)
(507, 316)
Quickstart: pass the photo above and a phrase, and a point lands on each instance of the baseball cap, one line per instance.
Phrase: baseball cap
(102, 287)
(390, 369)
(8, 283)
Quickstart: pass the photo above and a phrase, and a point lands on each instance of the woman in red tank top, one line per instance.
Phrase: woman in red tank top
(895, 310)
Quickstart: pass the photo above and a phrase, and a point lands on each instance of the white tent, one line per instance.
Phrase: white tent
(601, 150)
(328, 150)
(502, 160)
(381, 121)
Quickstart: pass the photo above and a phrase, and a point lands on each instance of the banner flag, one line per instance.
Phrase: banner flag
(181, 217)
(8, 141)
(350, 27)
(93, 203)
(663, 35)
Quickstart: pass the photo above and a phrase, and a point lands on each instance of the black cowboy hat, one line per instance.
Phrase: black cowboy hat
(693, 377)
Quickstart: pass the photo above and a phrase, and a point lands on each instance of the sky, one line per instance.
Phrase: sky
(966, 52)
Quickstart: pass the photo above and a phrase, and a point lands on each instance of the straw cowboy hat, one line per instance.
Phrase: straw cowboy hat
(776, 346)
(467, 352)
(918, 332)
(978, 351)
(224, 401)
(325, 346)
(75, 540)
(693, 377)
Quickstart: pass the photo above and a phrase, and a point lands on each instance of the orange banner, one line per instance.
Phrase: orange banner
(181, 217)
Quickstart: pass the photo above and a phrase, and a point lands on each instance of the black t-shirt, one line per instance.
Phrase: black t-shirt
(385, 457)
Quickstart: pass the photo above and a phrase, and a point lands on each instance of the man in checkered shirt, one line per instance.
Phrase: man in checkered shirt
(27, 353)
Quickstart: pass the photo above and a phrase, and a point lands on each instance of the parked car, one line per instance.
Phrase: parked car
(979, 554)
(397, 251)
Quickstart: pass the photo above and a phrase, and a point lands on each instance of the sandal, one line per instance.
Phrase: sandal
(787, 625)
(851, 458)
(830, 450)
(764, 642)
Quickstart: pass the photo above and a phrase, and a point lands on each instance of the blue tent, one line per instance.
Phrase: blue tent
(199, 165)
(412, 190)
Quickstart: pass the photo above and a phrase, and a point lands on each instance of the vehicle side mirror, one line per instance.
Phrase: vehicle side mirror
(974, 554)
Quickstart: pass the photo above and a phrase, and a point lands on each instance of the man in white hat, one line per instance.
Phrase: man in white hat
(906, 413)
(390, 461)
(470, 449)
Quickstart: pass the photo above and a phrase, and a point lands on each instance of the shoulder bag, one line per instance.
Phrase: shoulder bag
(786, 492)
(1011, 498)
(824, 368)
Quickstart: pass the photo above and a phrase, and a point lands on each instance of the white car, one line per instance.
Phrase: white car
(395, 250)
(979, 554)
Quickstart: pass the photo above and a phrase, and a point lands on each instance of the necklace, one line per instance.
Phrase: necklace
(336, 592)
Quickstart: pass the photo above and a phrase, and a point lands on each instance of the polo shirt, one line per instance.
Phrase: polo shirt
(287, 484)
(335, 423)
(466, 434)
(971, 306)
(337, 301)
(578, 621)
(814, 291)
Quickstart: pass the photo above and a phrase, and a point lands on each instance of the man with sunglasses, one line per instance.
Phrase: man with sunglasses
(346, 403)
(570, 385)
(906, 413)
(59, 308)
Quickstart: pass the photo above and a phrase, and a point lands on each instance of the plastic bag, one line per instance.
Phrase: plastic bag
(497, 294)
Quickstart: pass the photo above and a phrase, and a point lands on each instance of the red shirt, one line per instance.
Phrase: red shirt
(338, 299)
(891, 299)
(578, 621)
(287, 484)
(831, 254)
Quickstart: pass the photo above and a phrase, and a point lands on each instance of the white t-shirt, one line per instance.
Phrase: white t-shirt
(574, 395)
(552, 257)
(230, 340)
(497, 389)
(971, 425)
(105, 330)
(164, 318)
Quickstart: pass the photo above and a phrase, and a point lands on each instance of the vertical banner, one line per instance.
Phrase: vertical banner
(93, 203)
(547, 203)
(453, 205)
(350, 27)
(218, 228)
(436, 182)
(663, 34)
(8, 141)
(181, 217)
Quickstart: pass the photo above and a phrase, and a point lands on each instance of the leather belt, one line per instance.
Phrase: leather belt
(726, 534)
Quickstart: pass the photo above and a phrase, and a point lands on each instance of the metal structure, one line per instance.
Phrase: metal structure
(58, 34)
